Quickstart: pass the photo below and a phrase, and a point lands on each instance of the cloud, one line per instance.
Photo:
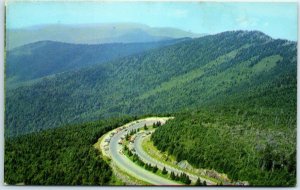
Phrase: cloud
(246, 22)
(178, 13)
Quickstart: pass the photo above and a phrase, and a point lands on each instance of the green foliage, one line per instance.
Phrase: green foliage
(48, 57)
(156, 124)
(127, 136)
(184, 178)
(198, 182)
(145, 127)
(257, 145)
(193, 73)
(164, 171)
(154, 169)
(234, 94)
(62, 156)
(132, 132)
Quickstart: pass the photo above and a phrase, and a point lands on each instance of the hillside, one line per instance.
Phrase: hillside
(253, 145)
(61, 156)
(92, 34)
(40, 59)
(199, 72)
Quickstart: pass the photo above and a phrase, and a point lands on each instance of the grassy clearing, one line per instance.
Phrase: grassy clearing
(267, 63)
(181, 80)
(98, 147)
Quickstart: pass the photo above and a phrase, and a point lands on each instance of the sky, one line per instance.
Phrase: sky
(279, 20)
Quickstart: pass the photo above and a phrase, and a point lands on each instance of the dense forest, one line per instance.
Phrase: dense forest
(61, 156)
(249, 136)
(248, 133)
(48, 57)
(257, 146)
(188, 74)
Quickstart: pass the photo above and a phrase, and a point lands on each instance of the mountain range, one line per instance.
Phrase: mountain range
(190, 73)
(40, 59)
(92, 34)
(233, 96)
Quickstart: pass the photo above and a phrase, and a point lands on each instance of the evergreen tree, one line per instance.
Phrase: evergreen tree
(188, 180)
(154, 169)
(172, 175)
(164, 171)
(198, 182)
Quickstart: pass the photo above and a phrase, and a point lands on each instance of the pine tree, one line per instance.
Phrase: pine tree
(145, 127)
(164, 171)
(188, 180)
(172, 175)
(198, 182)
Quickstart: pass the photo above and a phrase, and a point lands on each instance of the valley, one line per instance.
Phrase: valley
(187, 74)
(231, 96)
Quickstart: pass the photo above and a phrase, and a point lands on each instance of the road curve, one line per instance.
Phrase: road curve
(124, 163)
(148, 159)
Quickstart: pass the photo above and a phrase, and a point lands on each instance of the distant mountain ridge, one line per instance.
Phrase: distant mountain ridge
(93, 34)
(44, 58)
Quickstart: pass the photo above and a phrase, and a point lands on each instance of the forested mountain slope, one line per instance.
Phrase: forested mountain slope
(40, 59)
(198, 72)
(254, 145)
(61, 156)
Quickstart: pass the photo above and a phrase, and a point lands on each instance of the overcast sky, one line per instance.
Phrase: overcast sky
(278, 20)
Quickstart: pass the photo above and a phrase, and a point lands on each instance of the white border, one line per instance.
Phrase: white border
(2, 12)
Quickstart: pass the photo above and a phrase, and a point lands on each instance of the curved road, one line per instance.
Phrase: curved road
(148, 159)
(126, 164)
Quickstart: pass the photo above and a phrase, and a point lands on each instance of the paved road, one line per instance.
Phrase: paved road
(126, 164)
(147, 159)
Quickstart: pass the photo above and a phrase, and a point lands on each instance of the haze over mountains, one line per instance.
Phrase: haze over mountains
(93, 34)
(44, 58)
(185, 74)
